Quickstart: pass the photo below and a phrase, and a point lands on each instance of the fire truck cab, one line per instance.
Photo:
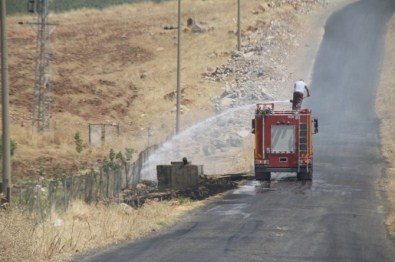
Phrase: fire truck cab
(283, 141)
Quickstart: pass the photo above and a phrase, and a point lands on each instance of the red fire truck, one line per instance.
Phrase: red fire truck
(283, 141)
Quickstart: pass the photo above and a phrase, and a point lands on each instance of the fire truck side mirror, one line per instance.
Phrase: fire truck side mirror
(315, 125)
(253, 126)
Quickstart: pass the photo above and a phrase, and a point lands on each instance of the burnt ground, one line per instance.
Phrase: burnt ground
(208, 187)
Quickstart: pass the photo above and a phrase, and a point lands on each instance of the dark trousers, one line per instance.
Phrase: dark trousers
(297, 101)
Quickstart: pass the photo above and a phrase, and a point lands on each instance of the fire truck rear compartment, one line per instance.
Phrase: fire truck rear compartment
(283, 142)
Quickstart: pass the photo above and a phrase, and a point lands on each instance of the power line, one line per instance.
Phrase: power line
(178, 69)
(43, 97)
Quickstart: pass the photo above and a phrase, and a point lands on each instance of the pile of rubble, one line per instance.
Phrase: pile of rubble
(258, 72)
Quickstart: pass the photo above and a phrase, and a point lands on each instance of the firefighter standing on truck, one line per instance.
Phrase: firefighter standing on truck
(299, 88)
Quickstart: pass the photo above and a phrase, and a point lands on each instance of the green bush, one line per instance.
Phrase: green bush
(79, 144)
(12, 149)
(116, 160)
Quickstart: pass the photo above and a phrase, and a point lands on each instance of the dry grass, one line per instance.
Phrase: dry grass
(16, 234)
(82, 228)
(386, 111)
(119, 65)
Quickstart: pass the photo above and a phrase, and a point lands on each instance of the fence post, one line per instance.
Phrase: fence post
(52, 196)
(101, 189)
(30, 198)
(107, 183)
(118, 182)
(65, 192)
(90, 187)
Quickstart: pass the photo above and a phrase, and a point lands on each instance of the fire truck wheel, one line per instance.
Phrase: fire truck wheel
(305, 175)
(264, 176)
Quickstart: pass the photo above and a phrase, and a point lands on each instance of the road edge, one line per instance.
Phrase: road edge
(386, 113)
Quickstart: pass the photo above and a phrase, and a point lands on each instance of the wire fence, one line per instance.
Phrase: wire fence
(44, 197)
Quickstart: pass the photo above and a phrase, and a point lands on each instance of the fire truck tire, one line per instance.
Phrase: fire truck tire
(264, 176)
(305, 175)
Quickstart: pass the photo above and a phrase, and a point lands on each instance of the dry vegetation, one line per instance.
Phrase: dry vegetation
(82, 228)
(118, 65)
(386, 112)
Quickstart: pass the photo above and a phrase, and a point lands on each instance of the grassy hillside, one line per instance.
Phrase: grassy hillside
(21, 6)
(118, 65)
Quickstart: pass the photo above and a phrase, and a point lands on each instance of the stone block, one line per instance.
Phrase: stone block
(178, 176)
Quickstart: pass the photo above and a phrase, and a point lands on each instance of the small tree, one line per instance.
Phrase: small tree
(79, 145)
(12, 145)
(129, 153)
(111, 155)
(109, 163)
(124, 160)
(119, 159)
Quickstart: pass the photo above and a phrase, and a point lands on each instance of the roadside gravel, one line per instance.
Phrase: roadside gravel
(386, 112)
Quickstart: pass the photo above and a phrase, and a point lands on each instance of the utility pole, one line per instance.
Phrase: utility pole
(6, 185)
(238, 27)
(178, 68)
(43, 96)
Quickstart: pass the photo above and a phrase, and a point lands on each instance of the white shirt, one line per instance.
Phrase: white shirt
(299, 86)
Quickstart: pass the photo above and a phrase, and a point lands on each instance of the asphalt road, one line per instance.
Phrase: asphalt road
(337, 217)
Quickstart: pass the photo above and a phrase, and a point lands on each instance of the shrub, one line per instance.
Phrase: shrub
(12, 149)
(79, 145)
